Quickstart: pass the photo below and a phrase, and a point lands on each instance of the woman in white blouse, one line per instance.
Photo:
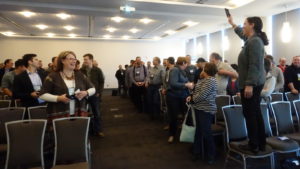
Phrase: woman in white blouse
(66, 89)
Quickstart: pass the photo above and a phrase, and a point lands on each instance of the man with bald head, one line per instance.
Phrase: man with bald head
(282, 64)
(292, 76)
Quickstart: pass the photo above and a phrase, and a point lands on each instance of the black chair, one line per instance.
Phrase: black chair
(278, 146)
(284, 120)
(25, 140)
(221, 100)
(71, 148)
(276, 97)
(37, 112)
(5, 103)
(237, 135)
(236, 99)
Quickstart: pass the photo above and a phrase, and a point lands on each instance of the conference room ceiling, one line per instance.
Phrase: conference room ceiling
(91, 19)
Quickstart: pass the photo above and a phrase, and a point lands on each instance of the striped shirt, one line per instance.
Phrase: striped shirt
(204, 95)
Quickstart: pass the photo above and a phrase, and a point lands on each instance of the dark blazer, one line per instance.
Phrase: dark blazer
(177, 80)
(251, 61)
(22, 87)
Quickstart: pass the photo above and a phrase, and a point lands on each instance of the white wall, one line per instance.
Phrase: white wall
(109, 54)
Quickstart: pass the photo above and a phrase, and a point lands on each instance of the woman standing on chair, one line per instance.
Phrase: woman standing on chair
(65, 89)
(251, 79)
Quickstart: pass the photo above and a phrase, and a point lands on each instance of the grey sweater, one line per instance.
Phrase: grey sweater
(251, 61)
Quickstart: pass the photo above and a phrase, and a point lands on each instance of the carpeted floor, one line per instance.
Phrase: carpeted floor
(133, 141)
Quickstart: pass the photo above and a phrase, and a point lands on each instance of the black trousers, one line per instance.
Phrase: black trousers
(139, 97)
(204, 133)
(176, 105)
(254, 118)
(96, 121)
(153, 100)
(121, 86)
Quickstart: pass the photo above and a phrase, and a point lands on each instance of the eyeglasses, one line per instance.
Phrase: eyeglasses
(72, 59)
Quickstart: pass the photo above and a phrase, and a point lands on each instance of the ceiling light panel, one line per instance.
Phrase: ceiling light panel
(117, 19)
(69, 27)
(134, 30)
(41, 26)
(63, 16)
(27, 14)
(8, 33)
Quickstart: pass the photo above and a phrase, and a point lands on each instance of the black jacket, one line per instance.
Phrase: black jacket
(120, 75)
(97, 78)
(22, 88)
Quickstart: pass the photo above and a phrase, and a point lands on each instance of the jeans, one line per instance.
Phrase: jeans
(153, 100)
(176, 105)
(203, 133)
(254, 119)
(96, 121)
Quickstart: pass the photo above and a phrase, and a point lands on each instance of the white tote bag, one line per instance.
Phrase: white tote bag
(188, 132)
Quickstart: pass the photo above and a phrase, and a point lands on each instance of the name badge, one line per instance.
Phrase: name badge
(37, 88)
(122, 73)
(298, 76)
(152, 76)
(71, 91)
(137, 73)
(192, 71)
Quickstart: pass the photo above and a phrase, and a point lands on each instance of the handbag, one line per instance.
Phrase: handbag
(188, 132)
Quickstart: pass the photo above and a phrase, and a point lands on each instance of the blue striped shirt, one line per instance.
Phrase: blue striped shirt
(204, 95)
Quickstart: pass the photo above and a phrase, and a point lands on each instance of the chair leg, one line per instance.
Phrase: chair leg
(245, 162)
(272, 158)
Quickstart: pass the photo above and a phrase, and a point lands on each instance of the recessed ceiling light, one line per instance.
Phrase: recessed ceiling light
(111, 29)
(50, 35)
(72, 35)
(27, 14)
(146, 20)
(41, 26)
(63, 16)
(8, 33)
(117, 19)
(156, 38)
(107, 36)
(69, 27)
(127, 8)
(238, 3)
(170, 32)
(134, 30)
(190, 23)
(125, 37)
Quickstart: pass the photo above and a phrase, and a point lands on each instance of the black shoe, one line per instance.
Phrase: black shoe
(248, 148)
(211, 161)
(196, 157)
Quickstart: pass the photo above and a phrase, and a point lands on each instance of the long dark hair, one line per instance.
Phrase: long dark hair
(258, 25)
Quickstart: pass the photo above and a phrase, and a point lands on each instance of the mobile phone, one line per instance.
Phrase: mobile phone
(227, 12)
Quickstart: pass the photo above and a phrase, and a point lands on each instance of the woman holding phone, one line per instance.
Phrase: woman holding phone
(251, 79)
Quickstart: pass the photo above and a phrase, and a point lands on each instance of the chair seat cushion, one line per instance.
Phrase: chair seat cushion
(282, 145)
(235, 146)
(294, 136)
(82, 165)
(215, 128)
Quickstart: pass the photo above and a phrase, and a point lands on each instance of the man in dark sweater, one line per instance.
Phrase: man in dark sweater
(96, 76)
(292, 76)
(120, 75)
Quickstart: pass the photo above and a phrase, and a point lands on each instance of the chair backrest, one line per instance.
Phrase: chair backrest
(18, 103)
(291, 97)
(5, 103)
(25, 139)
(296, 105)
(283, 117)
(37, 112)
(7, 115)
(235, 122)
(71, 139)
(275, 97)
(236, 99)
(265, 113)
(221, 100)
